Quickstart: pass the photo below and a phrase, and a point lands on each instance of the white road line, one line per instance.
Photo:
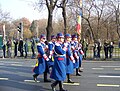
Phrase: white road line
(110, 66)
(30, 81)
(3, 78)
(107, 85)
(103, 76)
(16, 64)
(116, 68)
(71, 83)
(32, 66)
(8, 62)
(97, 68)
(2, 64)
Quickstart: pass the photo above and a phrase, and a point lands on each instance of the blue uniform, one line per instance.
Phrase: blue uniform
(69, 59)
(42, 58)
(51, 53)
(59, 68)
(75, 53)
(80, 53)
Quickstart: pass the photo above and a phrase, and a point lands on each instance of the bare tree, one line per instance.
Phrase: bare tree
(4, 16)
(50, 4)
(62, 5)
(115, 4)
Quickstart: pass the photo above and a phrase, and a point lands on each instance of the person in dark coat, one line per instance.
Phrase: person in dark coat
(111, 47)
(33, 47)
(9, 48)
(20, 47)
(106, 46)
(99, 47)
(26, 48)
(15, 47)
(59, 68)
(84, 48)
(119, 43)
(4, 50)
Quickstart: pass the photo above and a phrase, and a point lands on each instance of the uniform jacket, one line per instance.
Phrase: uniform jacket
(41, 64)
(69, 60)
(59, 67)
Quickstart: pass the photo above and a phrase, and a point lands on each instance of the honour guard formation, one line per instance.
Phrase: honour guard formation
(59, 58)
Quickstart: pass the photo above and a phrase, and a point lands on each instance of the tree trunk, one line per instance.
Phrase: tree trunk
(49, 27)
(65, 21)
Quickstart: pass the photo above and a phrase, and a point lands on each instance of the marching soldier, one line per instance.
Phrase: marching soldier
(80, 53)
(69, 58)
(74, 47)
(59, 68)
(51, 46)
(41, 65)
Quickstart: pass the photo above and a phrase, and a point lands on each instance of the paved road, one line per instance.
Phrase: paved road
(16, 75)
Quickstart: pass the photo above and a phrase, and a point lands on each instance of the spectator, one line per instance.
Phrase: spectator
(16, 47)
(111, 47)
(26, 48)
(95, 50)
(33, 47)
(9, 48)
(119, 44)
(99, 48)
(106, 46)
(20, 47)
(4, 49)
(85, 47)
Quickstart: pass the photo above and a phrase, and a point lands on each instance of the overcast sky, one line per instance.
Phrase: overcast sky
(21, 8)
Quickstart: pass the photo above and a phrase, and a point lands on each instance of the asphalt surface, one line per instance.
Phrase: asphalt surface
(16, 75)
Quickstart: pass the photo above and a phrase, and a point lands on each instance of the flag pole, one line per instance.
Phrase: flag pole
(78, 27)
(81, 5)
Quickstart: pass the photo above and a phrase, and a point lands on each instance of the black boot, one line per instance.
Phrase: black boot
(69, 80)
(35, 77)
(61, 86)
(77, 72)
(53, 85)
(45, 77)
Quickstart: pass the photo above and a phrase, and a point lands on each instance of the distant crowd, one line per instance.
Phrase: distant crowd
(19, 46)
(23, 48)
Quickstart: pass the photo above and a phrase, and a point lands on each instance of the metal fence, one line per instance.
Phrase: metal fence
(90, 53)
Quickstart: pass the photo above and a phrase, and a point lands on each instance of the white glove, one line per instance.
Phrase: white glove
(73, 61)
(65, 44)
(50, 56)
(47, 59)
(77, 57)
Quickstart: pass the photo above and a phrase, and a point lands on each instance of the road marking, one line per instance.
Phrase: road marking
(32, 66)
(110, 66)
(3, 78)
(16, 64)
(2, 64)
(109, 76)
(116, 68)
(9, 62)
(31, 81)
(71, 83)
(107, 85)
(97, 68)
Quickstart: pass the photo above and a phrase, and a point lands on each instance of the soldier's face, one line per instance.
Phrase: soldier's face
(68, 39)
(53, 40)
(62, 39)
(43, 39)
